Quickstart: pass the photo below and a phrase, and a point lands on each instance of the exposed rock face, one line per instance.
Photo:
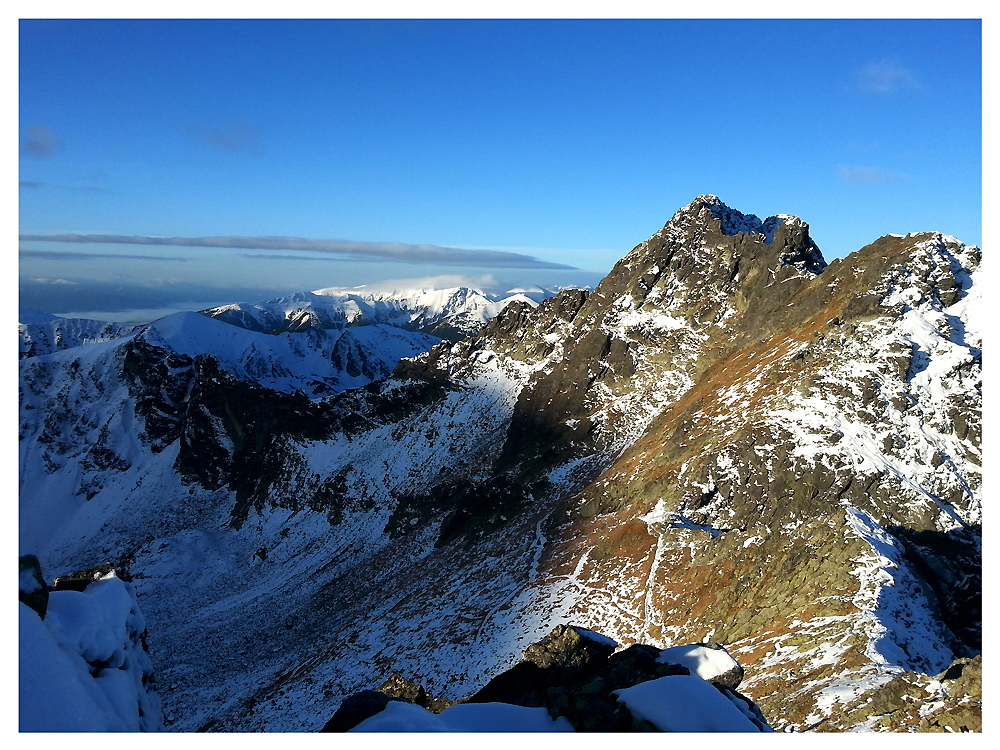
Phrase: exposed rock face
(573, 673)
(726, 441)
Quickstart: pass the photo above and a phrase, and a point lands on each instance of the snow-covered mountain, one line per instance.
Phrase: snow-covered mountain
(319, 343)
(727, 440)
(41, 333)
(451, 313)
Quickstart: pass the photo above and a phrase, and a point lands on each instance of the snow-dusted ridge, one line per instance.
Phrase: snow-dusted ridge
(316, 362)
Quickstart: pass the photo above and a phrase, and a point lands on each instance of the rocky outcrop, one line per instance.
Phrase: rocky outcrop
(577, 675)
(79, 580)
(914, 702)
(398, 686)
(367, 703)
(358, 707)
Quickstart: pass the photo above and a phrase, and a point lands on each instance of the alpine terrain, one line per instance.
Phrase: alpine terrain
(729, 442)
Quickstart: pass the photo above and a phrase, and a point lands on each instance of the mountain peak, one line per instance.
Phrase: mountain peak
(706, 253)
(706, 207)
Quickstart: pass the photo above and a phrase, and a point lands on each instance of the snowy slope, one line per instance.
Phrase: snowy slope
(317, 362)
(87, 424)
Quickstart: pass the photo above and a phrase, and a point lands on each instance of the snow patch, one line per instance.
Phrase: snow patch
(465, 717)
(707, 663)
(684, 703)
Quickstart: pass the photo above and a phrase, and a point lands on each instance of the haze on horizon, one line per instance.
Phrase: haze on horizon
(511, 153)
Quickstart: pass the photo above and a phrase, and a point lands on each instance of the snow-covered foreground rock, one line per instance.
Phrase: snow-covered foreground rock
(728, 440)
(83, 665)
(574, 680)
(483, 717)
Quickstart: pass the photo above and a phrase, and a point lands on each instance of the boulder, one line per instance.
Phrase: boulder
(567, 646)
(710, 661)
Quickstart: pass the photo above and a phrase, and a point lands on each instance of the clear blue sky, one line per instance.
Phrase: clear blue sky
(559, 142)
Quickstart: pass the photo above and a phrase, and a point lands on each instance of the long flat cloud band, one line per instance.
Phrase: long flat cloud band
(382, 250)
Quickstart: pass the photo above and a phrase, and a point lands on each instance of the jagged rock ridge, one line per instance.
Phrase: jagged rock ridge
(726, 440)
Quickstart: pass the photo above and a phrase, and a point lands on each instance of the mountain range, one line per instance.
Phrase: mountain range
(728, 440)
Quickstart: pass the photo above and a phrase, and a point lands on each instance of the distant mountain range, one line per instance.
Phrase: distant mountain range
(728, 440)
(446, 313)
(41, 333)
(343, 338)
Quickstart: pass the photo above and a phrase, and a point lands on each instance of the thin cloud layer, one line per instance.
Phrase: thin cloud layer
(38, 142)
(396, 251)
(486, 282)
(236, 137)
(60, 296)
(77, 255)
(886, 76)
(866, 175)
(35, 185)
(320, 257)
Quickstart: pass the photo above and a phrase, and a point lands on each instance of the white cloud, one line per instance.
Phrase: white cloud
(886, 77)
(867, 175)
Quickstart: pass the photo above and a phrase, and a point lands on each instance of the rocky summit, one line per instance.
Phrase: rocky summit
(728, 441)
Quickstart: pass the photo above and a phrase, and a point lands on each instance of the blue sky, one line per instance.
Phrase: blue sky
(520, 147)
